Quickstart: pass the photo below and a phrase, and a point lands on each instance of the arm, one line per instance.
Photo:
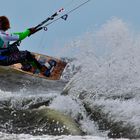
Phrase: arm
(22, 35)
(15, 36)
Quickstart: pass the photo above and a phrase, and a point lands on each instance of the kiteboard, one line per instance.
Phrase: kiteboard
(55, 72)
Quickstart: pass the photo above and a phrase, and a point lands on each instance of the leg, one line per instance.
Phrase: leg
(22, 57)
(27, 60)
(45, 70)
(30, 58)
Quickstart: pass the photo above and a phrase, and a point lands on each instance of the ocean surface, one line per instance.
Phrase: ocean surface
(97, 97)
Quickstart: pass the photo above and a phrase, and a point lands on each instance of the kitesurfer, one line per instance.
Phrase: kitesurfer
(10, 54)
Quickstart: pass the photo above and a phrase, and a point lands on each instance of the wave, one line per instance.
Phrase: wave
(109, 82)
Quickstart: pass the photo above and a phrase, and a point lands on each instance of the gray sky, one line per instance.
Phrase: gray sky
(28, 13)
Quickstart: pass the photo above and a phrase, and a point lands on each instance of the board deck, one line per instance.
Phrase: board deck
(55, 74)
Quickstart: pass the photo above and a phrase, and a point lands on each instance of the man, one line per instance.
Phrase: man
(10, 54)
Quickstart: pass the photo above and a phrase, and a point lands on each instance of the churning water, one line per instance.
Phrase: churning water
(99, 89)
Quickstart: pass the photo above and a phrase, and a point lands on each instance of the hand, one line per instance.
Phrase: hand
(32, 31)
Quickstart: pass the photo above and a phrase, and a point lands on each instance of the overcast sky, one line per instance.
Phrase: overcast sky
(28, 13)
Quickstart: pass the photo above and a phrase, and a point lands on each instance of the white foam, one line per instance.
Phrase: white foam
(114, 75)
(4, 136)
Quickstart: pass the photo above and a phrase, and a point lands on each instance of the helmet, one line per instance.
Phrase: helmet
(4, 23)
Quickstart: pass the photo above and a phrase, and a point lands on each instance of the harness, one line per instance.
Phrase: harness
(2, 57)
(3, 53)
